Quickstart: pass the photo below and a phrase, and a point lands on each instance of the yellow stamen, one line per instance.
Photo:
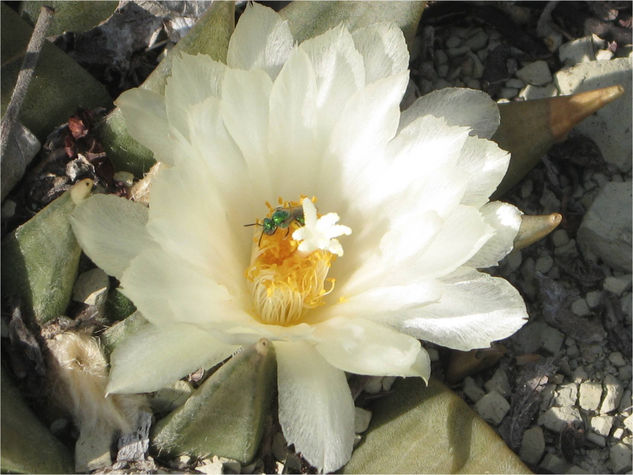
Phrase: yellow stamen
(285, 282)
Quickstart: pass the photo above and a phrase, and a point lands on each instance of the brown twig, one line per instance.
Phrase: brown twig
(33, 50)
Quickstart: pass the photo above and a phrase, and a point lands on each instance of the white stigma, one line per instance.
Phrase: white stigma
(318, 233)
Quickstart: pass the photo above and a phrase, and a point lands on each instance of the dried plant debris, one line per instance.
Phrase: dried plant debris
(525, 401)
(123, 50)
(556, 303)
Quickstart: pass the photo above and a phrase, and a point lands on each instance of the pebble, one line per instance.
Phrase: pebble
(536, 73)
(560, 237)
(628, 422)
(552, 340)
(593, 298)
(580, 307)
(8, 209)
(492, 407)
(279, 446)
(614, 391)
(499, 382)
(557, 418)
(579, 374)
(566, 395)
(440, 57)
(373, 385)
(513, 260)
(454, 52)
(624, 373)
(532, 445)
(362, 418)
(625, 402)
(442, 70)
(577, 51)
(601, 424)
(617, 359)
(453, 42)
(553, 464)
(604, 55)
(91, 287)
(599, 440)
(617, 285)
(618, 433)
(544, 264)
(514, 83)
(434, 355)
(477, 41)
(472, 390)
(531, 92)
(387, 382)
(620, 457)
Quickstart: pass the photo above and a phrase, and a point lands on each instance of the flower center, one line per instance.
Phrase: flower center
(284, 280)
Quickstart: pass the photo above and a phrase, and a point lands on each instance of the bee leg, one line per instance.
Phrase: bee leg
(287, 232)
(259, 243)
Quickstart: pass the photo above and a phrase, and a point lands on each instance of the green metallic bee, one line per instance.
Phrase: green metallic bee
(281, 218)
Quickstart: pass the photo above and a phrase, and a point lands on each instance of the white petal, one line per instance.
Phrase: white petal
(316, 410)
(505, 219)
(191, 218)
(261, 40)
(463, 234)
(294, 155)
(367, 122)
(193, 79)
(474, 310)
(245, 105)
(339, 73)
(360, 346)
(154, 357)
(459, 106)
(384, 50)
(485, 164)
(111, 231)
(167, 289)
(382, 302)
(146, 120)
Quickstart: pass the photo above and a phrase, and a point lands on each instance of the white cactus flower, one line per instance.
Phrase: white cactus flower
(319, 119)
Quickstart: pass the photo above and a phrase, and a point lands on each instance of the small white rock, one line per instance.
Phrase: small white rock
(617, 285)
(553, 464)
(560, 237)
(599, 440)
(620, 457)
(557, 418)
(91, 287)
(602, 424)
(531, 92)
(552, 340)
(628, 422)
(532, 445)
(387, 382)
(544, 264)
(499, 382)
(453, 41)
(362, 418)
(590, 395)
(471, 390)
(604, 55)
(614, 391)
(617, 359)
(477, 41)
(618, 433)
(593, 298)
(492, 407)
(536, 73)
(566, 394)
(580, 307)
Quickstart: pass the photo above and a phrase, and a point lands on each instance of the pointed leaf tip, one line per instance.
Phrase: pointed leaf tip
(568, 111)
(534, 228)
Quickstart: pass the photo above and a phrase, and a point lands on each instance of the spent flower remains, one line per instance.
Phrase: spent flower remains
(368, 224)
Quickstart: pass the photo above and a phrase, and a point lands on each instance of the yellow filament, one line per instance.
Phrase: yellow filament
(285, 282)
